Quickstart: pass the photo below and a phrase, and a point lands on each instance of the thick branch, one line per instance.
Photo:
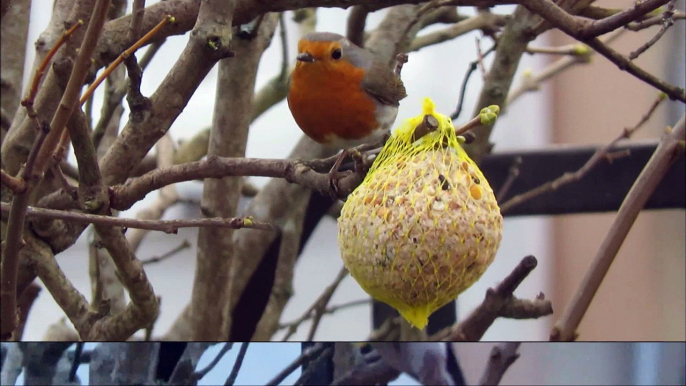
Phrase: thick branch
(295, 171)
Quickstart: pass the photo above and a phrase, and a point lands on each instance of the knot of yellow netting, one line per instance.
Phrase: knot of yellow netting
(424, 224)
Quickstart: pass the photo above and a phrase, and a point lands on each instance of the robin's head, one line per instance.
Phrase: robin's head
(326, 49)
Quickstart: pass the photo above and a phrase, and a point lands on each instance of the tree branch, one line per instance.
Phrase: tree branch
(200, 374)
(667, 21)
(482, 21)
(316, 310)
(16, 185)
(569, 177)
(502, 356)
(499, 302)
(581, 30)
(356, 24)
(295, 171)
(237, 365)
(307, 354)
(166, 226)
(670, 148)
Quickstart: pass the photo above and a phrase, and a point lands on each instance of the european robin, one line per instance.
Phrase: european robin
(340, 96)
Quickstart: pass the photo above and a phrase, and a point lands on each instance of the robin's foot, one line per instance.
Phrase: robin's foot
(334, 175)
(334, 189)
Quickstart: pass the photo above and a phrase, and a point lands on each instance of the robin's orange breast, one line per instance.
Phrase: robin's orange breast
(329, 104)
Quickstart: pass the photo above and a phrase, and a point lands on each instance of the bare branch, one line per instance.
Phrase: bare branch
(463, 87)
(24, 304)
(647, 23)
(316, 310)
(70, 98)
(16, 185)
(156, 259)
(512, 175)
(200, 374)
(331, 310)
(375, 371)
(14, 33)
(670, 148)
(306, 355)
(499, 302)
(482, 21)
(502, 356)
(667, 21)
(144, 306)
(582, 30)
(123, 196)
(356, 24)
(570, 177)
(168, 195)
(237, 365)
(167, 226)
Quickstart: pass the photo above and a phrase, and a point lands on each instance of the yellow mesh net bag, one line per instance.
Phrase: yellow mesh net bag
(424, 224)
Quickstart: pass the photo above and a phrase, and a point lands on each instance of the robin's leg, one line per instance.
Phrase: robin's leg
(334, 175)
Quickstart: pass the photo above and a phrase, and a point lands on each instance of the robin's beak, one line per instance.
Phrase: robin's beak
(305, 57)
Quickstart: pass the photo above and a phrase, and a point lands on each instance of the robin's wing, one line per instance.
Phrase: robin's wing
(383, 84)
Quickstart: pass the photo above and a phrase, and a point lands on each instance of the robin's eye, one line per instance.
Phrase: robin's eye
(336, 54)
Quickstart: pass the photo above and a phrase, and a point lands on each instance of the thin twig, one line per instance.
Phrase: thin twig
(323, 301)
(582, 54)
(76, 362)
(463, 87)
(237, 365)
(150, 53)
(667, 21)
(373, 371)
(670, 148)
(512, 175)
(167, 226)
(306, 355)
(33, 91)
(317, 307)
(647, 23)
(570, 177)
(480, 58)
(333, 309)
(482, 21)
(569, 49)
(130, 51)
(114, 97)
(201, 373)
(156, 259)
